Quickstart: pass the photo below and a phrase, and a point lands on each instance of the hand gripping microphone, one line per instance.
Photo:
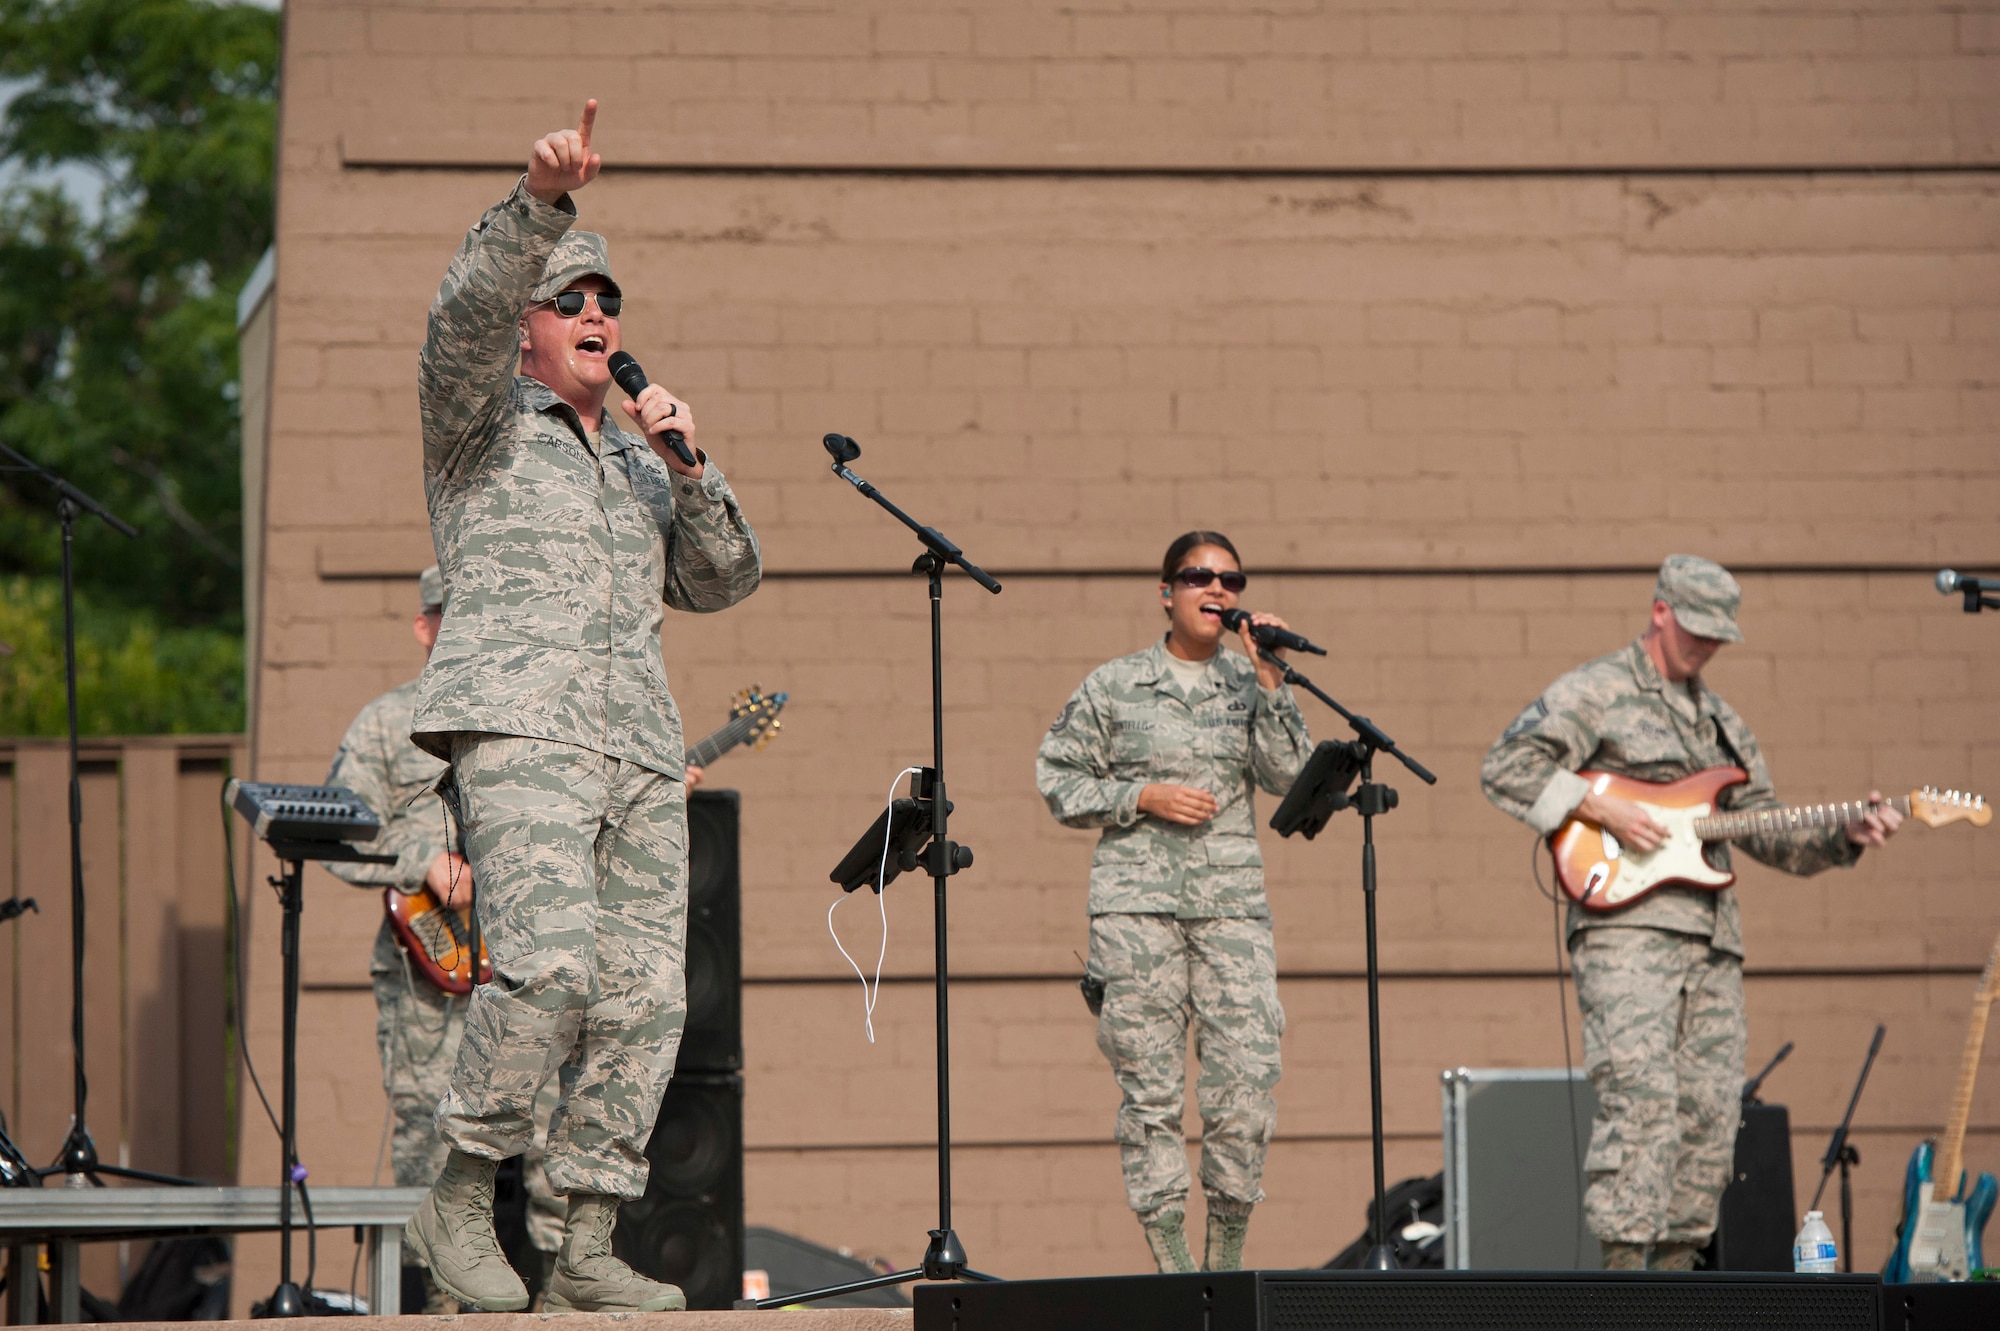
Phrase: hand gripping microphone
(633, 380)
(1269, 635)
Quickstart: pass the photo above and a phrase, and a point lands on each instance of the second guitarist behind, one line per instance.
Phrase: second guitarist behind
(1659, 982)
(418, 1025)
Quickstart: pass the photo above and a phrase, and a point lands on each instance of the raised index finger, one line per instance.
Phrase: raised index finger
(583, 125)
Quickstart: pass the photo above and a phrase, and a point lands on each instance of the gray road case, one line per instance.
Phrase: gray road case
(1513, 1169)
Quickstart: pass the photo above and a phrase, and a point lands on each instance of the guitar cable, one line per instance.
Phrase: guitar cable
(870, 997)
(1562, 1010)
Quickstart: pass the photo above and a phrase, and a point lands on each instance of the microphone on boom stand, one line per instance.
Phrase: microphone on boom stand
(1269, 635)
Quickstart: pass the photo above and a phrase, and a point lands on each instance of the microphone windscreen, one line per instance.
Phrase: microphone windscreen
(627, 372)
(1947, 581)
(1234, 619)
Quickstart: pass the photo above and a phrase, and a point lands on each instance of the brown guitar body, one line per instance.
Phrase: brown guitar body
(438, 938)
(1599, 874)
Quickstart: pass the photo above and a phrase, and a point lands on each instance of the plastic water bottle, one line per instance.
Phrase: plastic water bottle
(1814, 1251)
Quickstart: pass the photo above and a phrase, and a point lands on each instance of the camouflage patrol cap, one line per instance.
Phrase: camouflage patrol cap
(430, 589)
(577, 254)
(1703, 596)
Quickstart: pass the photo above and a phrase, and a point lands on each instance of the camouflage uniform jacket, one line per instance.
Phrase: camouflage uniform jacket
(393, 777)
(1129, 725)
(1616, 714)
(558, 556)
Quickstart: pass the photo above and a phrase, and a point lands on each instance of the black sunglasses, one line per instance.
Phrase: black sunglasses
(1196, 576)
(570, 303)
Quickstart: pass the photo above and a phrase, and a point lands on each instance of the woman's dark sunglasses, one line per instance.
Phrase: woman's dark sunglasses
(1196, 576)
(570, 303)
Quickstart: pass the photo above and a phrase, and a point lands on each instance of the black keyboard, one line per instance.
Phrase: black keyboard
(279, 812)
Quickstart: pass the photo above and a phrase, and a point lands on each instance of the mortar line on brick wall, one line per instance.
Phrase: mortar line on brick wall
(1050, 171)
(1281, 1139)
(1396, 976)
(1829, 570)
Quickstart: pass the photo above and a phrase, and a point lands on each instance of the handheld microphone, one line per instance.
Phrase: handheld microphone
(633, 380)
(1949, 582)
(1269, 635)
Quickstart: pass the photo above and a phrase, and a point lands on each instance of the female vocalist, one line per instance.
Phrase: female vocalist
(1161, 750)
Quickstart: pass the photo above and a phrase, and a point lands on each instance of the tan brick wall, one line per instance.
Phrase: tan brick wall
(1451, 419)
(1298, 84)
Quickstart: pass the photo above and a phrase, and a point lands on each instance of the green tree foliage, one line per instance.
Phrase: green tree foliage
(132, 678)
(118, 329)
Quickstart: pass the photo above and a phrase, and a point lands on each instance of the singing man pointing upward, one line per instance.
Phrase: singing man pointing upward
(561, 535)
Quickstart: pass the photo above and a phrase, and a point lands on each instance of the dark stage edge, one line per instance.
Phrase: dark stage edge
(1457, 1301)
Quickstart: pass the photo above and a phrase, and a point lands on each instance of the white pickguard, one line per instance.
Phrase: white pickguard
(1678, 857)
(1937, 1250)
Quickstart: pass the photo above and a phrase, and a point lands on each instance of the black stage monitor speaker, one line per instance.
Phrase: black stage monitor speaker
(688, 1228)
(1758, 1219)
(1410, 1301)
(713, 1041)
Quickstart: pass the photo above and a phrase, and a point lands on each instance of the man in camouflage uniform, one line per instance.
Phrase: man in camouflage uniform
(1163, 750)
(560, 535)
(417, 1025)
(1659, 982)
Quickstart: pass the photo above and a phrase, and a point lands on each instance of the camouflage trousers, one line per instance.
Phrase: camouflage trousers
(1160, 974)
(1663, 1040)
(581, 866)
(417, 1030)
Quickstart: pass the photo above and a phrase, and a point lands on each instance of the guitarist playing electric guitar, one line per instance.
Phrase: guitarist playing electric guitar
(1660, 981)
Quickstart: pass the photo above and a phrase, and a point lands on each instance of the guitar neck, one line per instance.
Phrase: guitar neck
(1951, 1147)
(1791, 818)
(707, 750)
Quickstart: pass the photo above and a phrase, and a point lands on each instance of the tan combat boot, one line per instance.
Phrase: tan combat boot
(1624, 1256)
(1225, 1239)
(1675, 1256)
(1166, 1235)
(452, 1234)
(588, 1279)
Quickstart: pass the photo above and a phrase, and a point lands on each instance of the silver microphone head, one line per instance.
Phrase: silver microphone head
(1947, 581)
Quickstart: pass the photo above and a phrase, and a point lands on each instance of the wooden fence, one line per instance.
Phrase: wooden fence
(156, 971)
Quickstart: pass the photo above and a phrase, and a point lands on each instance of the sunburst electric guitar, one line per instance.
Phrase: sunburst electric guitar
(1942, 1233)
(1600, 874)
(438, 937)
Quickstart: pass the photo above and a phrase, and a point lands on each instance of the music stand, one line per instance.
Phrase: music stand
(904, 826)
(294, 840)
(940, 857)
(1320, 792)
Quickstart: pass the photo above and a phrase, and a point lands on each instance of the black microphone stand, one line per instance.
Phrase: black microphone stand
(77, 1160)
(1840, 1151)
(944, 1258)
(1319, 793)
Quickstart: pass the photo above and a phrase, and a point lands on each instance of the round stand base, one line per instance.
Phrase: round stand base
(1381, 1257)
(286, 1301)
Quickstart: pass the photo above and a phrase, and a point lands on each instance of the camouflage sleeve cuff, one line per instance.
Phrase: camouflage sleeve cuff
(1125, 806)
(557, 217)
(693, 496)
(1557, 801)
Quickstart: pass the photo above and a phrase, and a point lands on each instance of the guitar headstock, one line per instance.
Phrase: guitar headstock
(1934, 808)
(762, 711)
